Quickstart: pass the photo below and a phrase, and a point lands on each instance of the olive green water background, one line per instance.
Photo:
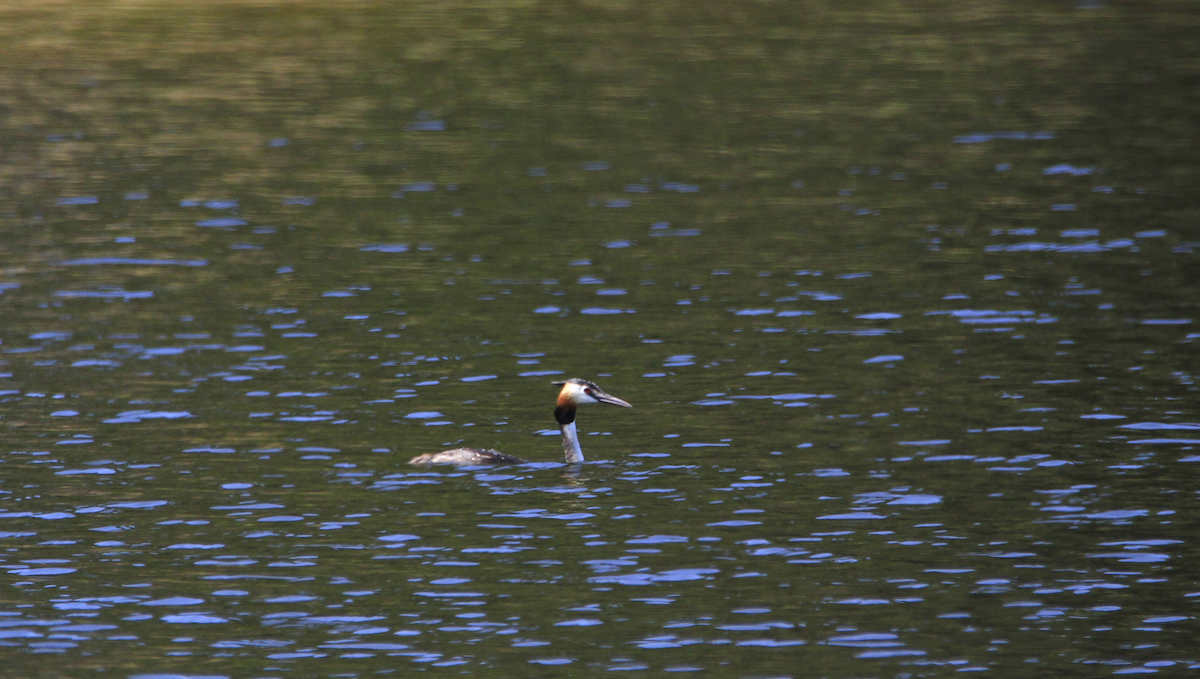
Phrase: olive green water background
(904, 296)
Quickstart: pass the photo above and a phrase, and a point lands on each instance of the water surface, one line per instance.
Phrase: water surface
(904, 300)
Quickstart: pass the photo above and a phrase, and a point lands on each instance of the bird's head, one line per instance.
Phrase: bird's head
(576, 391)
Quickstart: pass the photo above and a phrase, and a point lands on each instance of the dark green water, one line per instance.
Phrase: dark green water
(904, 298)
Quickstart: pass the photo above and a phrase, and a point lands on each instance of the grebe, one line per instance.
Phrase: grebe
(574, 392)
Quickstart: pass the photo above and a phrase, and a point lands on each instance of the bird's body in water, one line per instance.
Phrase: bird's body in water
(574, 392)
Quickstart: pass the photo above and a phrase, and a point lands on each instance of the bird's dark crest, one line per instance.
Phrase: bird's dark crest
(577, 380)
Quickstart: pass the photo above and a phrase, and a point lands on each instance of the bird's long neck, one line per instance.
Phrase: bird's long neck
(571, 449)
(565, 414)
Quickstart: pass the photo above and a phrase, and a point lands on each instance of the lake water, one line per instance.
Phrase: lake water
(905, 300)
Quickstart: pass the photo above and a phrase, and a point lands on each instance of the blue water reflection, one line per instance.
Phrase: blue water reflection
(911, 398)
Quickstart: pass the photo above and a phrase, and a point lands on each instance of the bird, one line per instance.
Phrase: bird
(574, 392)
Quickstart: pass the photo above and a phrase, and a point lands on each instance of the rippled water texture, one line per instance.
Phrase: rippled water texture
(904, 298)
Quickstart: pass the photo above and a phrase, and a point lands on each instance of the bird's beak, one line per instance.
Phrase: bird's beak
(610, 399)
